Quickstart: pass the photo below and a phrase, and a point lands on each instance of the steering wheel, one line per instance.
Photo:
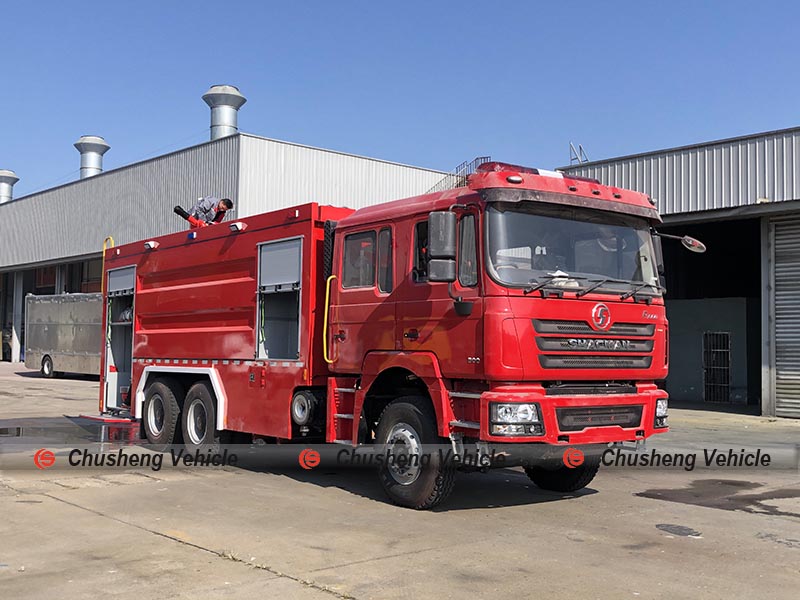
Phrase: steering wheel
(506, 265)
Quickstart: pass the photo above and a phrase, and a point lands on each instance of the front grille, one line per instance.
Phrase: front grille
(589, 388)
(594, 362)
(566, 327)
(571, 344)
(576, 419)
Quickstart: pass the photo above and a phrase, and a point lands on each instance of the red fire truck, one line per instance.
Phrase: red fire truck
(521, 310)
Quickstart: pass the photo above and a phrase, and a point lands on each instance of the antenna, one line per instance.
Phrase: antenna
(577, 155)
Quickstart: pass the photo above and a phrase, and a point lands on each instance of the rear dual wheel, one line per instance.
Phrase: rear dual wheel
(199, 418)
(161, 414)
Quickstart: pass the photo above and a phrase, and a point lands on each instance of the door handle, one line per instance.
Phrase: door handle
(411, 334)
(340, 336)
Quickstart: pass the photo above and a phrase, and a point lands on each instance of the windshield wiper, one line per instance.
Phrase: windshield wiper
(548, 279)
(641, 286)
(597, 283)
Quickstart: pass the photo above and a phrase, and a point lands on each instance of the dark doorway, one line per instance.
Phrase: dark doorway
(719, 292)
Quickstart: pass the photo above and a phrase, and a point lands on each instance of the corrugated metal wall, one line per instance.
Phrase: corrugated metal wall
(785, 300)
(723, 174)
(276, 174)
(130, 204)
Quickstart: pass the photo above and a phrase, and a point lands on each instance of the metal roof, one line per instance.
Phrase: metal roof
(741, 171)
(135, 202)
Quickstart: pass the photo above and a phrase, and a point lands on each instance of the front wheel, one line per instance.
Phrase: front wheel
(414, 473)
(563, 478)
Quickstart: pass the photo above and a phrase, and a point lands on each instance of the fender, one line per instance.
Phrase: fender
(213, 376)
(424, 365)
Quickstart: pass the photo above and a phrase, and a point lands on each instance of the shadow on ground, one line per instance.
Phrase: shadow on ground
(496, 489)
(29, 374)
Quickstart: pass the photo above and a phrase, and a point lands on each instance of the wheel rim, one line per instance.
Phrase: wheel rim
(300, 410)
(196, 421)
(47, 367)
(155, 415)
(403, 444)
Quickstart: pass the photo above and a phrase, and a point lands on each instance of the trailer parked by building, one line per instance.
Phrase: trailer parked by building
(63, 333)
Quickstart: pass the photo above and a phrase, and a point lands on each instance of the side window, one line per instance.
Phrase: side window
(421, 251)
(467, 253)
(359, 260)
(385, 265)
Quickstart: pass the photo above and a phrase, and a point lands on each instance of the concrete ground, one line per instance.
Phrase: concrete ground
(246, 532)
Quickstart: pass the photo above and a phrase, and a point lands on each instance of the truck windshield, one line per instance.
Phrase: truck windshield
(532, 243)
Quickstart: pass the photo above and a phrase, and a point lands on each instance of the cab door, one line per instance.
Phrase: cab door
(363, 299)
(426, 315)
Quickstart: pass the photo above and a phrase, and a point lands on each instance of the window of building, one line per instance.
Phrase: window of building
(92, 275)
(359, 260)
(385, 266)
(467, 253)
(45, 277)
(421, 257)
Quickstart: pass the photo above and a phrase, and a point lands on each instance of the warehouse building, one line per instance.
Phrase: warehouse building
(51, 241)
(734, 312)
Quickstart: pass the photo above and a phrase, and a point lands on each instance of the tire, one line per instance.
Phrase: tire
(564, 479)
(47, 369)
(199, 420)
(161, 414)
(408, 424)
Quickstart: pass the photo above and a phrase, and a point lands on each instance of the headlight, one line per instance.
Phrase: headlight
(514, 413)
(661, 407)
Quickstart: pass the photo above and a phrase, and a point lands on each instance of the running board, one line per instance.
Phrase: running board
(109, 418)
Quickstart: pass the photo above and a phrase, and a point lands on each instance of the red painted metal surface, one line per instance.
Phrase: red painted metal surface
(196, 302)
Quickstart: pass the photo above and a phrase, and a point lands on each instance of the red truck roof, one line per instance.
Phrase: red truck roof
(512, 177)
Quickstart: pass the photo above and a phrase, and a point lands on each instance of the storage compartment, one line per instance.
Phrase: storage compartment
(279, 292)
(280, 325)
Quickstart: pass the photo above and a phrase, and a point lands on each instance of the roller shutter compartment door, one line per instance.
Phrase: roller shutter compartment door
(786, 297)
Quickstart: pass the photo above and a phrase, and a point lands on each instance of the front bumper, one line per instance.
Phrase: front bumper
(645, 396)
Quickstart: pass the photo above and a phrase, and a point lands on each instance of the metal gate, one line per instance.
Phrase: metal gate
(785, 312)
(717, 366)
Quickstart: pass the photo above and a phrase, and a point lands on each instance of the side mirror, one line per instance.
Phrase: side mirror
(689, 243)
(692, 244)
(440, 269)
(442, 246)
(442, 235)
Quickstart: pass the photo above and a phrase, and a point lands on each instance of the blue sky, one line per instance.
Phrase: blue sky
(424, 83)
